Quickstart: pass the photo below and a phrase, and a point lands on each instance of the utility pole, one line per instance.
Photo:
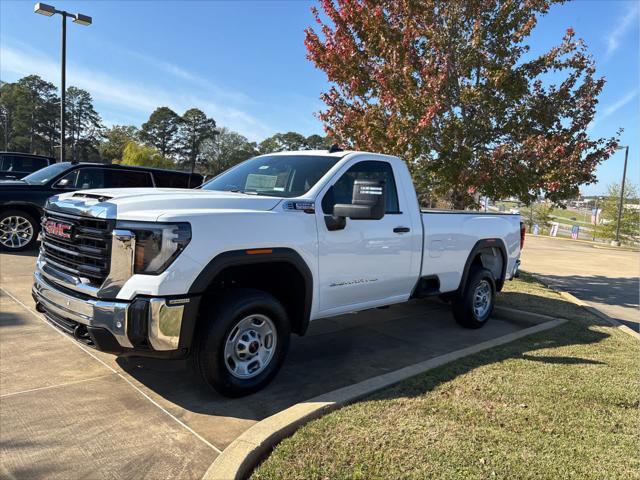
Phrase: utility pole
(616, 242)
(595, 220)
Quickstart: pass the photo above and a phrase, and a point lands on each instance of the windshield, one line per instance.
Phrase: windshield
(274, 175)
(45, 174)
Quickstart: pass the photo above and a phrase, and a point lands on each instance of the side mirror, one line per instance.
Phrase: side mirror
(64, 183)
(368, 201)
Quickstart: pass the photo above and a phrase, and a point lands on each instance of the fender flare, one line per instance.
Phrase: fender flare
(235, 258)
(480, 245)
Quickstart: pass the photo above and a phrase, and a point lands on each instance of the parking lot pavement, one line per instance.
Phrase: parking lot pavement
(71, 412)
(607, 279)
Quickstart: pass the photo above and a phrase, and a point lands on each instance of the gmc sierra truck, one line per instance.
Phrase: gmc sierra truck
(225, 273)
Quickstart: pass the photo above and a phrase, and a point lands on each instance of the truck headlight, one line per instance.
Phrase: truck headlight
(157, 244)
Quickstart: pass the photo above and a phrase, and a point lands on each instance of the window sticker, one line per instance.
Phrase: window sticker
(256, 181)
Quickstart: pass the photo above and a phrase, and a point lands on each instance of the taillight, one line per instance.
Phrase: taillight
(523, 231)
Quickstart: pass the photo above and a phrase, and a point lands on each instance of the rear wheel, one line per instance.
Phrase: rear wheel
(243, 341)
(473, 308)
(18, 231)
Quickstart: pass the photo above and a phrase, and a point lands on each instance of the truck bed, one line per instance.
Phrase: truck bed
(450, 237)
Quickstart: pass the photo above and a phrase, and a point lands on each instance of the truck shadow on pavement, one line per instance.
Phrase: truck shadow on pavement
(347, 350)
(328, 357)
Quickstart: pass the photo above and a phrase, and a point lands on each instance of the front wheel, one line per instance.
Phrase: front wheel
(243, 341)
(18, 231)
(474, 307)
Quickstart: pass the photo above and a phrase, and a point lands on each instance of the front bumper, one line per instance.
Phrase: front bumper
(146, 326)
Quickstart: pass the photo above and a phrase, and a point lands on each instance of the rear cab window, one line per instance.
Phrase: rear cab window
(22, 163)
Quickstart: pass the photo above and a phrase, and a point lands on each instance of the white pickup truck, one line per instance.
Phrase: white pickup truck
(225, 273)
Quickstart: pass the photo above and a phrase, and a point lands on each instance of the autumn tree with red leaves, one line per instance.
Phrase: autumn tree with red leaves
(451, 87)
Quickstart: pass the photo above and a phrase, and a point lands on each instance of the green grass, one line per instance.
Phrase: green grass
(559, 404)
(565, 216)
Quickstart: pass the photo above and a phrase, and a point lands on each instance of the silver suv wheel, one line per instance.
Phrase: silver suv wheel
(15, 232)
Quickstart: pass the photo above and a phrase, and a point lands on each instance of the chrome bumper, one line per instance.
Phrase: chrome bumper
(163, 318)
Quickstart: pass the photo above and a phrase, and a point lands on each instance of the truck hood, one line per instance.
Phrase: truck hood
(151, 203)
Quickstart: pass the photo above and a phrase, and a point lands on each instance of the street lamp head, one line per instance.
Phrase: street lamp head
(621, 147)
(44, 9)
(81, 19)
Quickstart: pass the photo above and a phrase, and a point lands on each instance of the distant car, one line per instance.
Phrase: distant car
(15, 165)
(21, 201)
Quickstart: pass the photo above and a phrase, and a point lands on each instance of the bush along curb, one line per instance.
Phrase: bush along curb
(239, 459)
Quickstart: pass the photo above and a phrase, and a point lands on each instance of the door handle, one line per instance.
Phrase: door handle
(401, 230)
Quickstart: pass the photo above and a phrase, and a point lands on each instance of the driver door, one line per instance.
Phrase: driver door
(368, 262)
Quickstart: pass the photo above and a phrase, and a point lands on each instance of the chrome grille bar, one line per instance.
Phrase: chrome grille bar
(86, 254)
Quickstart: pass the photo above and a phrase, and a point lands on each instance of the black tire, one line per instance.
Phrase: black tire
(217, 321)
(6, 239)
(463, 307)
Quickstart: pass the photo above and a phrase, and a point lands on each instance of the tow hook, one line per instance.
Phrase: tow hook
(80, 332)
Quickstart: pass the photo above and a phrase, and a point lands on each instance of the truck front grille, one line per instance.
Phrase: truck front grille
(86, 253)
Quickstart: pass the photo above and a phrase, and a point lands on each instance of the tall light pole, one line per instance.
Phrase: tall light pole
(621, 205)
(595, 222)
(80, 19)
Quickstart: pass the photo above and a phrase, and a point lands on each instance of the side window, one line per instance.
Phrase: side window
(5, 163)
(68, 181)
(90, 178)
(126, 179)
(342, 190)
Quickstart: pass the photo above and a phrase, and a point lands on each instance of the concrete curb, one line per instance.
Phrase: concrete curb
(520, 317)
(239, 459)
(575, 300)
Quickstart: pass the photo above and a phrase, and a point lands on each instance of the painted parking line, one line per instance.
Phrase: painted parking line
(136, 388)
(48, 387)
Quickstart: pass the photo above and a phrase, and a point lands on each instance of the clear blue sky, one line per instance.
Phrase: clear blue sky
(244, 62)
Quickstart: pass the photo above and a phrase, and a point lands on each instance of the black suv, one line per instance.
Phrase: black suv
(15, 165)
(21, 201)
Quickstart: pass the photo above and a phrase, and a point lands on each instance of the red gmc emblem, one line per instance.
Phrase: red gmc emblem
(57, 229)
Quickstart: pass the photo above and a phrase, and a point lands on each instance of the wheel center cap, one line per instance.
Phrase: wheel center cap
(253, 347)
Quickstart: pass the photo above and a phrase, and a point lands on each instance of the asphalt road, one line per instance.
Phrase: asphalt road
(70, 412)
(603, 277)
